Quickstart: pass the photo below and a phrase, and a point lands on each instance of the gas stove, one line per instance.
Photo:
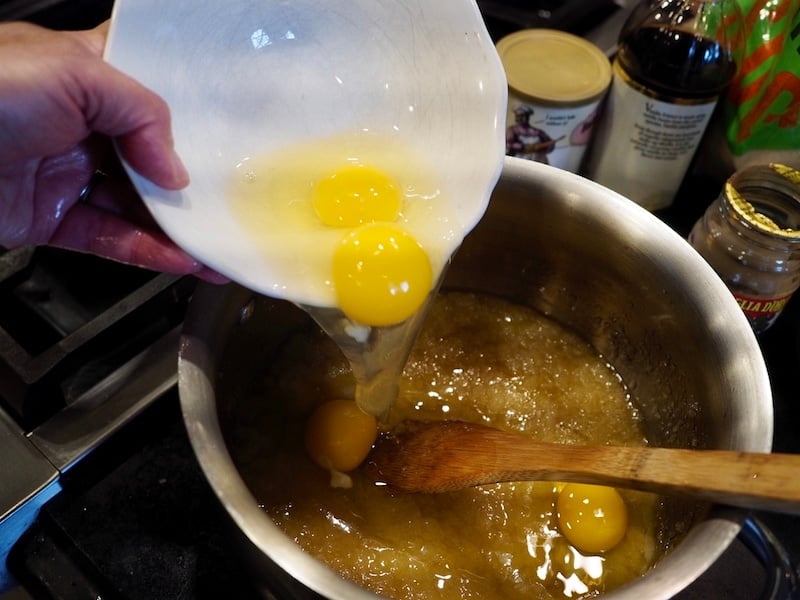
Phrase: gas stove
(86, 345)
(101, 495)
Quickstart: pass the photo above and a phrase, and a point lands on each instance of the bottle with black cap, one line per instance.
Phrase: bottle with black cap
(674, 59)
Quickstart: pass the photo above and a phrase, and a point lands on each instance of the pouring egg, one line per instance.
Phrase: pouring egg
(339, 436)
(381, 275)
(338, 154)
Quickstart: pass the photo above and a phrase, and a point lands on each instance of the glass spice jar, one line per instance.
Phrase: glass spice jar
(750, 235)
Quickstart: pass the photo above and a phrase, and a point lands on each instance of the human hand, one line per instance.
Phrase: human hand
(61, 105)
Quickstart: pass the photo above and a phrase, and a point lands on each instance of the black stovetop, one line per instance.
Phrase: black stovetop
(142, 525)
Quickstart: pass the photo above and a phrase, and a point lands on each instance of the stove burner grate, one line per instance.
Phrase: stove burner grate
(70, 320)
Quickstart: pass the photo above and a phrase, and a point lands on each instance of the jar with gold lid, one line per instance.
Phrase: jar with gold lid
(750, 235)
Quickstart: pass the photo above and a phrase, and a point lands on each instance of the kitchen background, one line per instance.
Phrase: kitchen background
(126, 510)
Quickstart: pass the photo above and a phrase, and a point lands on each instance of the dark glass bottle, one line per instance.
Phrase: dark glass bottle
(674, 59)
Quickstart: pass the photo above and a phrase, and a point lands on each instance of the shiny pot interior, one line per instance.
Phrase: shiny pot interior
(579, 253)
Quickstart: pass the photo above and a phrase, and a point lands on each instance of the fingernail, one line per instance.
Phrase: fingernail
(212, 276)
(179, 172)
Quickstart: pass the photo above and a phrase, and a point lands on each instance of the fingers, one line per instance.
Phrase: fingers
(90, 229)
(118, 197)
(138, 119)
(102, 30)
(211, 276)
(97, 37)
(115, 203)
(60, 79)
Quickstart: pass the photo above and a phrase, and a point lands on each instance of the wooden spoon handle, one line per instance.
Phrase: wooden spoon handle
(760, 481)
(454, 455)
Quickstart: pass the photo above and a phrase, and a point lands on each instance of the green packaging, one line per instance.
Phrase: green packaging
(763, 103)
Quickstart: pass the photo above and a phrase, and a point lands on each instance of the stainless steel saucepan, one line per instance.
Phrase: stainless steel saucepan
(590, 259)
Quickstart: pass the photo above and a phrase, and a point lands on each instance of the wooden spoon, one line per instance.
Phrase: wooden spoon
(450, 455)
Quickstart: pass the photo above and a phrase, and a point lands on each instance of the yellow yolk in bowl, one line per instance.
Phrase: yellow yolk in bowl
(295, 205)
(355, 195)
(593, 518)
(339, 435)
(381, 274)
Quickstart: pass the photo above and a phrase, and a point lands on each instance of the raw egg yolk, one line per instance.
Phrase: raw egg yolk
(593, 518)
(381, 275)
(339, 435)
(355, 195)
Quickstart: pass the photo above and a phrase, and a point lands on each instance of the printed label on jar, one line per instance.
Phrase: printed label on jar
(760, 307)
(556, 136)
(644, 145)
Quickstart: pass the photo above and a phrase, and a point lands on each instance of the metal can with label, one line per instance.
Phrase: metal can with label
(556, 81)
(750, 235)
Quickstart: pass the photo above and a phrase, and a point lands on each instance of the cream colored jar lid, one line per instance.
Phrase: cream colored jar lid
(554, 66)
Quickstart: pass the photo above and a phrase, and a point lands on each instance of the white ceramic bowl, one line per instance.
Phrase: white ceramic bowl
(246, 78)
